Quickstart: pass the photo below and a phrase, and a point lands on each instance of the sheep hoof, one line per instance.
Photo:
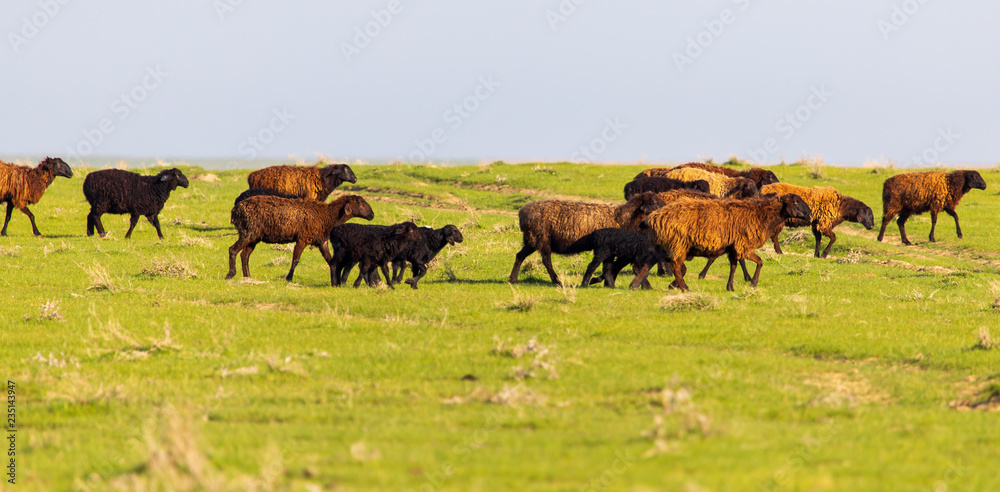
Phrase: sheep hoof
(230, 275)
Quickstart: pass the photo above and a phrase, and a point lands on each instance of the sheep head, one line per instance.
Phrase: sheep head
(356, 206)
(973, 180)
(175, 177)
(744, 189)
(452, 234)
(335, 174)
(764, 177)
(857, 211)
(794, 207)
(56, 166)
(699, 185)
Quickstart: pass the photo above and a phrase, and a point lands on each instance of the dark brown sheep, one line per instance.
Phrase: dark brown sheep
(915, 193)
(313, 182)
(663, 185)
(759, 176)
(707, 227)
(554, 226)
(275, 220)
(829, 208)
(21, 186)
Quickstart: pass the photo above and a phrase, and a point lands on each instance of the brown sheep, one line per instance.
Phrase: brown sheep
(276, 220)
(759, 176)
(829, 209)
(673, 195)
(312, 183)
(554, 226)
(915, 193)
(21, 186)
(718, 184)
(707, 227)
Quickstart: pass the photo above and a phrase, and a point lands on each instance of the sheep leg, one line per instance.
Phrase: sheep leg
(901, 222)
(518, 259)
(819, 241)
(886, 218)
(245, 258)
(345, 271)
(99, 225)
(704, 271)
(731, 255)
(398, 271)
(833, 239)
(10, 208)
(31, 217)
(324, 249)
(233, 251)
(90, 224)
(385, 272)
(132, 221)
(299, 248)
(616, 268)
(777, 244)
(679, 274)
(640, 278)
(361, 276)
(760, 264)
(591, 268)
(547, 261)
(933, 225)
(155, 220)
(958, 228)
(418, 273)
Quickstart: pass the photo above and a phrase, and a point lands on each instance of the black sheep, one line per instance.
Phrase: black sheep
(113, 191)
(262, 191)
(370, 247)
(420, 253)
(662, 185)
(616, 248)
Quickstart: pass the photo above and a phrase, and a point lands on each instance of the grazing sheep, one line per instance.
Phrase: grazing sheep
(759, 176)
(709, 227)
(829, 209)
(915, 193)
(661, 185)
(113, 191)
(21, 186)
(719, 185)
(262, 191)
(313, 183)
(420, 253)
(276, 220)
(616, 248)
(671, 196)
(554, 226)
(370, 246)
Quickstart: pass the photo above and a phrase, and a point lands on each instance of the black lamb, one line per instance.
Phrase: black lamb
(370, 247)
(660, 184)
(616, 248)
(262, 191)
(420, 253)
(113, 191)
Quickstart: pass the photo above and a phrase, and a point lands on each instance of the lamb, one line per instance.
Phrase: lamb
(759, 176)
(719, 185)
(661, 185)
(276, 220)
(555, 226)
(708, 227)
(829, 209)
(262, 191)
(21, 186)
(313, 183)
(420, 253)
(915, 193)
(114, 191)
(372, 246)
(616, 248)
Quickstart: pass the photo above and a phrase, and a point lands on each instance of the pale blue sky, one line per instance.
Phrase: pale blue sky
(887, 93)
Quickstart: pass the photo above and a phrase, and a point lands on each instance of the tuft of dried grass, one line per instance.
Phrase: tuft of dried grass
(62, 248)
(815, 167)
(50, 312)
(689, 301)
(675, 417)
(189, 241)
(519, 302)
(100, 279)
(994, 289)
(11, 251)
(985, 340)
(171, 267)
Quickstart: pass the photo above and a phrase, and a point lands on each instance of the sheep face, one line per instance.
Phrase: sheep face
(59, 167)
(452, 234)
(175, 177)
(767, 177)
(974, 180)
(335, 174)
(794, 207)
(358, 207)
(862, 214)
(744, 189)
(700, 185)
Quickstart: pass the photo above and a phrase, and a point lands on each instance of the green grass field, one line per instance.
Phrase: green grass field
(138, 367)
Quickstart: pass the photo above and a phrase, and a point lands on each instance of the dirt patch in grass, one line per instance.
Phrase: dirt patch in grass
(839, 389)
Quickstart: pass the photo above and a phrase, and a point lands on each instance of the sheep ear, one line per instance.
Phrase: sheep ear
(166, 177)
(348, 210)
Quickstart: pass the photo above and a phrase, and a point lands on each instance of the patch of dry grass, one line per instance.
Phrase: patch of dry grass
(689, 301)
(171, 267)
(100, 279)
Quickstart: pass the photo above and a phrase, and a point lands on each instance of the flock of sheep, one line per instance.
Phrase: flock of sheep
(670, 216)
(674, 214)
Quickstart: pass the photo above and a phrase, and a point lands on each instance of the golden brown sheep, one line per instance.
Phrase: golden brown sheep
(673, 195)
(708, 227)
(718, 184)
(554, 226)
(275, 220)
(21, 186)
(829, 209)
(759, 176)
(313, 182)
(915, 193)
